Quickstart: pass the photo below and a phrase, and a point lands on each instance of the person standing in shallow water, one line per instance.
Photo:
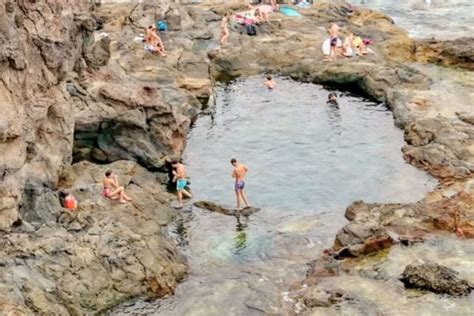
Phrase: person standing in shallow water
(269, 83)
(239, 173)
(179, 176)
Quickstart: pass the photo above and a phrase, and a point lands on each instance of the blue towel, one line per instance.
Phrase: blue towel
(289, 11)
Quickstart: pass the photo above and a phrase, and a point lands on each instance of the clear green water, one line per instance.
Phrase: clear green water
(307, 161)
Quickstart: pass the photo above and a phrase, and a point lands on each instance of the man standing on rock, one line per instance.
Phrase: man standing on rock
(179, 176)
(238, 174)
(224, 29)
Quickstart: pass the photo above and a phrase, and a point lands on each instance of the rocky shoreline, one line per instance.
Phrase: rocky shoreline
(77, 88)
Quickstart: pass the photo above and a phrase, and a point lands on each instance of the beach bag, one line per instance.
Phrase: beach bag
(161, 26)
(69, 203)
(251, 30)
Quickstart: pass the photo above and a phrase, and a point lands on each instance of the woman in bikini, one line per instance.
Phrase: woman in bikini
(260, 16)
(153, 41)
(224, 29)
(112, 190)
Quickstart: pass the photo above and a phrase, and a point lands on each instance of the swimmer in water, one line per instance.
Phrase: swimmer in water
(269, 83)
(332, 99)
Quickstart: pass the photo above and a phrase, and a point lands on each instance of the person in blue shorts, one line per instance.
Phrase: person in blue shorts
(238, 174)
(179, 176)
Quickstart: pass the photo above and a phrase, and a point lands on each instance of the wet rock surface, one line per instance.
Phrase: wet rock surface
(436, 278)
(75, 86)
(213, 207)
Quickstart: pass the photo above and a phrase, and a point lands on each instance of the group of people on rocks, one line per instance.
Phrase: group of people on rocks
(352, 45)
(254, 15)
(112, 190)
(238, 173)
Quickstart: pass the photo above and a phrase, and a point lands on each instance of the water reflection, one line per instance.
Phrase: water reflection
(240, 240)
(179, 230)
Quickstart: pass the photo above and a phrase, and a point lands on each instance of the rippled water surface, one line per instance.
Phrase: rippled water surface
(307, 161)
(441, 19)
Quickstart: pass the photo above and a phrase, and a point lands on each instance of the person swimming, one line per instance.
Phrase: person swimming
(332, 99)
(269, 83)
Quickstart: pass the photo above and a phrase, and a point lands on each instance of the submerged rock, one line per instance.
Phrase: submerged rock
(435, 278)
(213, 207)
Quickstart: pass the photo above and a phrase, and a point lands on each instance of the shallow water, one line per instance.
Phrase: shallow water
(378, 285)
(307, 161)
(441, 19)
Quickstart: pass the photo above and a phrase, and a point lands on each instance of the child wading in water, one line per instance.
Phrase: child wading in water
(269, 83)
(224, 29)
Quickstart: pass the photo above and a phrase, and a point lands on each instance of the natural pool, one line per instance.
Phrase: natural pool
(307, 161)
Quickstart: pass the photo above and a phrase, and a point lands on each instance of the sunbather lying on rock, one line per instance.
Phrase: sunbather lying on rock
(153, 42)
(112, 190)
(260, 16)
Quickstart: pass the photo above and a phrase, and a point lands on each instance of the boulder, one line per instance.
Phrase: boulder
(355, 239)
(213, 207)
(435, 278)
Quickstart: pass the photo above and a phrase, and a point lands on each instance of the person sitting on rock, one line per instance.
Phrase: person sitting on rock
(358, 45)
(112, 190)
(224, 29)
(269, 83)
(260, 16)
(347, 46)
(153, 42)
